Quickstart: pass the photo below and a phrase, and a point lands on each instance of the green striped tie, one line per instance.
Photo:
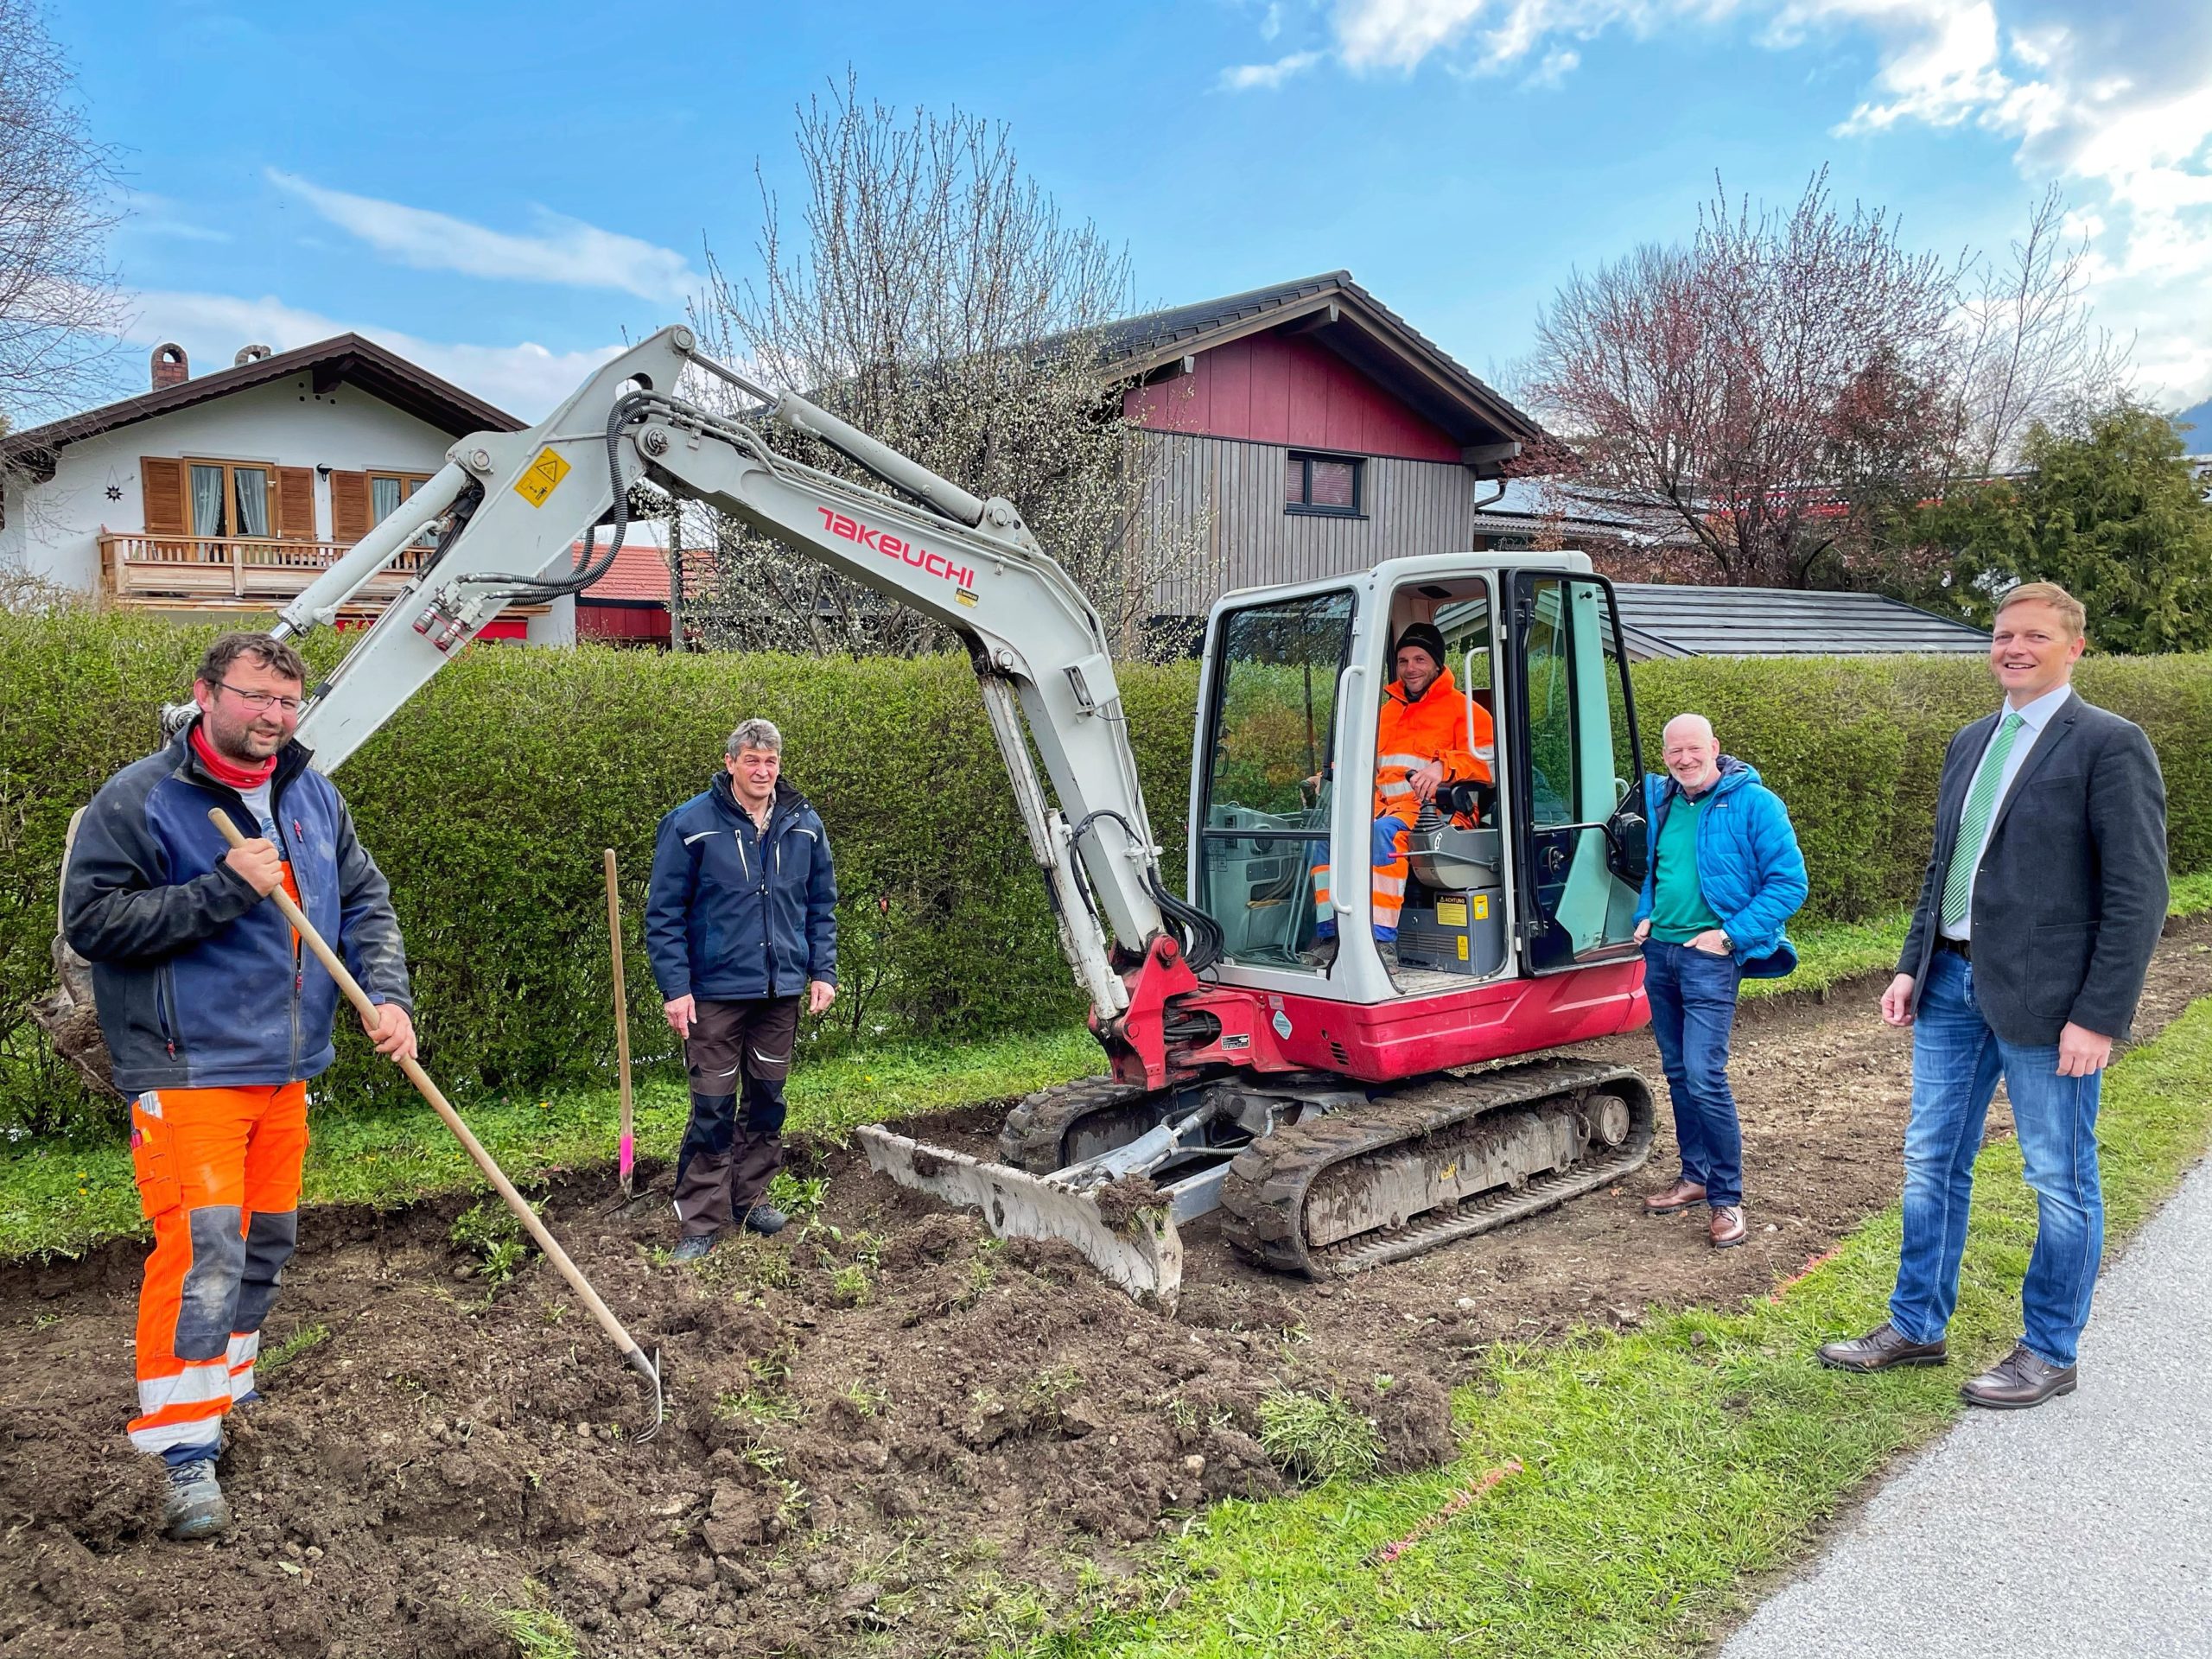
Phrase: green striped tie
(1973, 823)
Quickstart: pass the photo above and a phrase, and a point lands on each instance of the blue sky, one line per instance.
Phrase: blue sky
(503, 200)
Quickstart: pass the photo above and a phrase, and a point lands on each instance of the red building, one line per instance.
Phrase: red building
(628, 606)
(1304, 430)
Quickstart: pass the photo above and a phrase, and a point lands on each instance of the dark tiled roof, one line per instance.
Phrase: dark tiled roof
(1141, 343)
(384, 374)
(1672, 619)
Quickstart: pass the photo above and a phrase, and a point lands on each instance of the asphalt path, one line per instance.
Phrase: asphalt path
(2083, 1526)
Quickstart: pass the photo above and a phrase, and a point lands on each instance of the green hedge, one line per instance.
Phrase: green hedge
(488, 798)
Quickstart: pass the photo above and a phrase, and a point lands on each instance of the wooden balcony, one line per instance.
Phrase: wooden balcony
(232, 573)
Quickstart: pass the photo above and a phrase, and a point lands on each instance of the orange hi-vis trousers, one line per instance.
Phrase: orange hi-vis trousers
(218, 1176)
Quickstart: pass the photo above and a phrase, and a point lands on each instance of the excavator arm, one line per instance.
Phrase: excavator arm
(515, 506)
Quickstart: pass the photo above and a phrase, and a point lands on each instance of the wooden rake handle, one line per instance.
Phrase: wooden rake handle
(429, 1092)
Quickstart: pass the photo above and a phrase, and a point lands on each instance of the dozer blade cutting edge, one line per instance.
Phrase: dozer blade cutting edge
(1143, 1256)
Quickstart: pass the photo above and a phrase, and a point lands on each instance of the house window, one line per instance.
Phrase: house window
(388, 490)
(1323, 484)
(232, 497)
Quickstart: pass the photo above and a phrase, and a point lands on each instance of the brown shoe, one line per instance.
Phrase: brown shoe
(1678, 1197)
(2019, 1380)
(1879, 1349)
(1727, 1229)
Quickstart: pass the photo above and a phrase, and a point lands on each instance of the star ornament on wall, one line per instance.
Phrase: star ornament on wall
(115, 492)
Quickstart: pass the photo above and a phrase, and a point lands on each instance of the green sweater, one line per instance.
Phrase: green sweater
(1679, 913)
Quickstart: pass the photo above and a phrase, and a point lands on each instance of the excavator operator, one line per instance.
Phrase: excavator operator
(1422, 744)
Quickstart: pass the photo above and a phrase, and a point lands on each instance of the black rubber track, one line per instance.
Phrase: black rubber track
(1263, 1196)
(1038, 1131)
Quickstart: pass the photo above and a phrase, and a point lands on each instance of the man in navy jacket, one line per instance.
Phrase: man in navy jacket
(741, 921)
(216, 1022)
(1724, 874)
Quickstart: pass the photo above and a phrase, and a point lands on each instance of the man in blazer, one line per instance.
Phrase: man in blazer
(2043, 900)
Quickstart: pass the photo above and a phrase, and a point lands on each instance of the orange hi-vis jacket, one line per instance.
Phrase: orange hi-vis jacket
(1409, 734)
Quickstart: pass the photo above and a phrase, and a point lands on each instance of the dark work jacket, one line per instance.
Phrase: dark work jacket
(193, 975)
(2070, 895)
(733, 913)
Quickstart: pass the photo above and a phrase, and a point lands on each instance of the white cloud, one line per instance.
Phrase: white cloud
(526, 380)
(564, 251)
(2115, 104)
(1244, 76)
(1558, 64)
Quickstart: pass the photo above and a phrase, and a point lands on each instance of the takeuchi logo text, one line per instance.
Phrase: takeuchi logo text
(893, 547)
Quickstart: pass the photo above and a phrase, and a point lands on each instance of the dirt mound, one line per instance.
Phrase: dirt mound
(870, 1417)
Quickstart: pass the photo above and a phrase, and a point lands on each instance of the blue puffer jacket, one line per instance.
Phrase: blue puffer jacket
(196, 980)
(1749, 867)
(732, 914)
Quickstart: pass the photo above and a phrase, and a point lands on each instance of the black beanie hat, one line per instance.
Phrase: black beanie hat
(1428, 636)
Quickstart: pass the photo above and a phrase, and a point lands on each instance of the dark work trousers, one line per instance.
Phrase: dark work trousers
(729, 1153)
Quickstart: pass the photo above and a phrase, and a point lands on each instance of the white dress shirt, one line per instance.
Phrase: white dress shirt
(2033, 719)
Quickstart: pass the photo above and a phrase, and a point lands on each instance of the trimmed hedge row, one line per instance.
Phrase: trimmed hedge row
(488, 798)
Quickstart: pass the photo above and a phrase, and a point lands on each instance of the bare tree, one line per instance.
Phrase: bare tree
(1729, 383)
(2030, 350)
(934, 295)
(60, 311)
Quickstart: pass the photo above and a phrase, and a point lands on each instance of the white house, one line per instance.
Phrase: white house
(227, 492)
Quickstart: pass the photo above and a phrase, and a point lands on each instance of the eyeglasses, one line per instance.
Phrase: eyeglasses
(259, 701)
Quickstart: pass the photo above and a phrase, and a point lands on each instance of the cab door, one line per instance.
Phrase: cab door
(1575, 772)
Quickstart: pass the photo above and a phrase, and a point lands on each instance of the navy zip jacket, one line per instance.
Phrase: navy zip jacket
(196, 980)
(736, 913)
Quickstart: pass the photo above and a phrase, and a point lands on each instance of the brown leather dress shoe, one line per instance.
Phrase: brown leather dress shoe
(1879, 1349)
(2019, 1380)
(1678, 1197)
(1727, 1229)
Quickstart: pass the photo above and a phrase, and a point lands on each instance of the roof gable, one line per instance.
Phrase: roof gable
(345, 359)
(1336, 312)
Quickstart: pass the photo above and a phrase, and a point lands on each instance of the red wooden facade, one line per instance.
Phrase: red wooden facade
(1281, 388)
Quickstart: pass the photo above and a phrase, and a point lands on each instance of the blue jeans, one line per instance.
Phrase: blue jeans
(1692, 995)
(1956, 1060)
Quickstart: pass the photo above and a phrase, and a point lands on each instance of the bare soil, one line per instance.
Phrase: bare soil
(879, 1421)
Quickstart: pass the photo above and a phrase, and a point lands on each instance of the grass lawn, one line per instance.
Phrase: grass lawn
(64, 1197)
(1651, 1471)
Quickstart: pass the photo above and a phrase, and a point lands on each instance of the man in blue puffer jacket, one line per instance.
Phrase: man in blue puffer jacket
(1724, 874)
(740, 921)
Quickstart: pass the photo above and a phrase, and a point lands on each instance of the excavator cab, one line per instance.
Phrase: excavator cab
(1536, 872)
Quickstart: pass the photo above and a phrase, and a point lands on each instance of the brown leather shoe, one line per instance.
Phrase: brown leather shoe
(1676, 1199)
(1727, 1229)
(2019, 1380)
(1879, 1349)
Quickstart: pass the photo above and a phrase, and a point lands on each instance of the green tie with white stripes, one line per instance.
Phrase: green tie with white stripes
(1973, 823)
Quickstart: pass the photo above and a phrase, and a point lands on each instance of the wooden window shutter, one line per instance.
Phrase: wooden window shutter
(161, 484)
(296, 503)
(349, 507)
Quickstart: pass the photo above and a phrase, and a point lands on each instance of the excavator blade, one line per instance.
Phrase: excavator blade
(1143, 1256)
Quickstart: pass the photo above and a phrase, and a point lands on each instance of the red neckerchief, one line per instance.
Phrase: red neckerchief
(229, 772)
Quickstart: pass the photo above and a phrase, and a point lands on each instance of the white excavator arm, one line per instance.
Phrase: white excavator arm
(520, 501)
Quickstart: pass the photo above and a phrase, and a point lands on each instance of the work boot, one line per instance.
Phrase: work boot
(1879, 1349)
(1727, 1229)
(764, 1219)
(194, 1506)
(2021, 1379)
(693, 1247)
(1675, 1199)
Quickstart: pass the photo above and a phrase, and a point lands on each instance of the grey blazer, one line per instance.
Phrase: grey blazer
(2070, 895)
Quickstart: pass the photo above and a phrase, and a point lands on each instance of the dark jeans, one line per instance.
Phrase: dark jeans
(1956, 1060)
(1693, 994)
(728, 1157)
